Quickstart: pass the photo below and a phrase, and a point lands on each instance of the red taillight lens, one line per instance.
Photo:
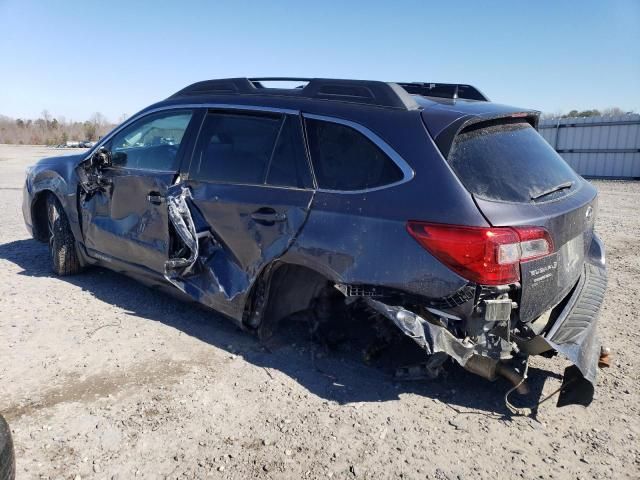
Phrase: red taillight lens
(488, 256)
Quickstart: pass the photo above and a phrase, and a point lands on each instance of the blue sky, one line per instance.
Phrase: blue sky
(74, 58)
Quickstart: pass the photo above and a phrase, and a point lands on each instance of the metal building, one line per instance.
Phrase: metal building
(605, 147)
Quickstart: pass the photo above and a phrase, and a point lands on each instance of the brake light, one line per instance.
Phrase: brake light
(488, 256)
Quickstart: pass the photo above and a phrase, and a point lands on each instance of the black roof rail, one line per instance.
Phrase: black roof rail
(444, 90)
(367, 92)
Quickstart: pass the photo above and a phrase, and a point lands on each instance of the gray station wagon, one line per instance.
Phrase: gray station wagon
(435, 209)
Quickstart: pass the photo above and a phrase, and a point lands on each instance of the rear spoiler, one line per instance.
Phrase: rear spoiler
(444, 90)
(444, 139)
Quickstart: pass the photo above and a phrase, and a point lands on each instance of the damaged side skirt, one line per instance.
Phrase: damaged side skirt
(436, 339)
(431, 337)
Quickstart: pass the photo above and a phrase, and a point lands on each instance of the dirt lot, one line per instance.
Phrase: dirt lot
(101, 377)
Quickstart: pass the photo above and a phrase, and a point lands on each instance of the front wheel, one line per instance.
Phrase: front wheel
(62, 244)
(7, 456)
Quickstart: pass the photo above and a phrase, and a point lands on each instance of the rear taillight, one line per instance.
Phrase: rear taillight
(488, 256)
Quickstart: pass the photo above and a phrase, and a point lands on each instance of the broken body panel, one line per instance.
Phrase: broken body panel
(231, 234)
(123, 220)
(220, 244)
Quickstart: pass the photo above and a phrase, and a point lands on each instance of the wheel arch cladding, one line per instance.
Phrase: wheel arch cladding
(56, 175)
(39, 215)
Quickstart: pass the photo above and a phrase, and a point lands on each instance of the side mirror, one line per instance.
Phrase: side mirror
(101, 158)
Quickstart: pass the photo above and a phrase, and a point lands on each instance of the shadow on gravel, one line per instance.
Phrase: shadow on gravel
(340, 375)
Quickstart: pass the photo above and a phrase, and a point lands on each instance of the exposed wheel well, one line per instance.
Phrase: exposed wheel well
(39, 216)
(292, 295)
(282, 290)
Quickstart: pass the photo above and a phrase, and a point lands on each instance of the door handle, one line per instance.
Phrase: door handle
(155, 198)
(267, 215)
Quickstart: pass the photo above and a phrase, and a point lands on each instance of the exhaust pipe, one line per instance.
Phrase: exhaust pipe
(490, 369)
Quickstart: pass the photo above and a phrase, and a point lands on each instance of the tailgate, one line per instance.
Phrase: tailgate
(517, 179)
(547, 280)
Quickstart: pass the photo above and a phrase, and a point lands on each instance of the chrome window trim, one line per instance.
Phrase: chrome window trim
(407, 171)
(261, 185)
(188, 106)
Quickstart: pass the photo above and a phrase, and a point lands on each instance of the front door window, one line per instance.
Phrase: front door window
(151, 143)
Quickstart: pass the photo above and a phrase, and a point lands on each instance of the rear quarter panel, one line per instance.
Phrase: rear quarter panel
(361, 238)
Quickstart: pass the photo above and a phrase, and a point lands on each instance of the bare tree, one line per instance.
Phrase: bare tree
(98, 120)
(611, 111)
(51, 131)
(90, 130)
(587, 113)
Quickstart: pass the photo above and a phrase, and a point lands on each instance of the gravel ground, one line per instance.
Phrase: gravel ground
(101, 377)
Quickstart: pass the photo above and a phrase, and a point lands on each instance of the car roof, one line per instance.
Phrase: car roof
(350, 99)
(364, 92)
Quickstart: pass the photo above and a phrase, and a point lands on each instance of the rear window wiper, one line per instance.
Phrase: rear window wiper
(557, 188)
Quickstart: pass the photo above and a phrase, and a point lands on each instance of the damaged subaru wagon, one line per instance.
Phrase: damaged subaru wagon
(439, 211)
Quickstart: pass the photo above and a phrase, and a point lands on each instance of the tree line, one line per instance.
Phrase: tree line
(594, 112)
(47, 130)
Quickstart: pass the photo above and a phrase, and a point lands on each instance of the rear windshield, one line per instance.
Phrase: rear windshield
(510, 162)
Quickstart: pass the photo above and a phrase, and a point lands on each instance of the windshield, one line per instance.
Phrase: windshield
(510, 162)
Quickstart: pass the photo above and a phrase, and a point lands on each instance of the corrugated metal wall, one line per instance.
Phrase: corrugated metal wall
(597, 146)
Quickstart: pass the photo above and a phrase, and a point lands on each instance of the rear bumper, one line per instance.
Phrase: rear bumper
(574, 333)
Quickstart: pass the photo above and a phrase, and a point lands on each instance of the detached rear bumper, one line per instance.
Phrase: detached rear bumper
(574, 334)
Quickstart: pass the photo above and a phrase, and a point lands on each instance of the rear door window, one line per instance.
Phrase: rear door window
(252, 149)
(510, 162)
(289, 166)
(236, 147)
(344, 159)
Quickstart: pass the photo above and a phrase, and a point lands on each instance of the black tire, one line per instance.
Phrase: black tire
(7, 455)
(62, 244)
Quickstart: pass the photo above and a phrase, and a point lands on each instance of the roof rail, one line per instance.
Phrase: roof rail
(444, 90)
(367, 92)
